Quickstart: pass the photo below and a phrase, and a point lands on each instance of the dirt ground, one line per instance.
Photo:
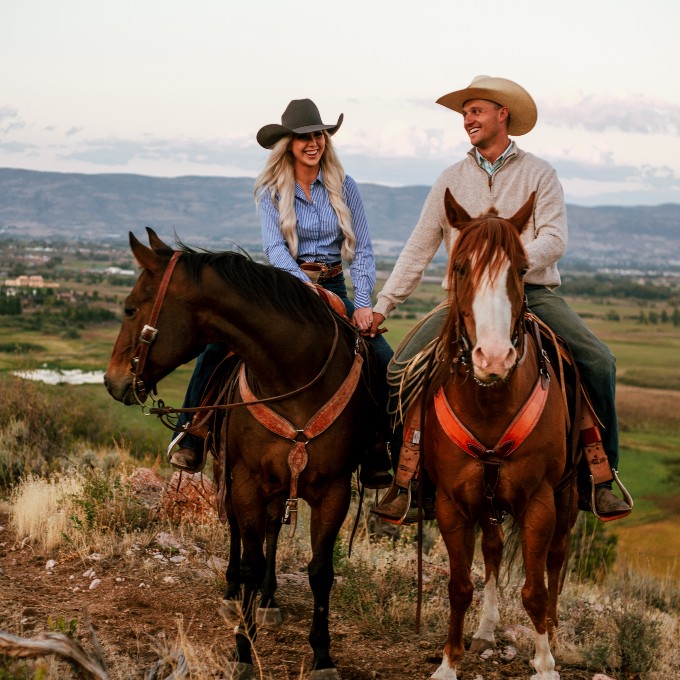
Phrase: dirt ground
(142, 599)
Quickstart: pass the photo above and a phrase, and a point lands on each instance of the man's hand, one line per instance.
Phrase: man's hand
(377, 321)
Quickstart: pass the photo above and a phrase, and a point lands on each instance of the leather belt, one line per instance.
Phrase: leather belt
(325, 271)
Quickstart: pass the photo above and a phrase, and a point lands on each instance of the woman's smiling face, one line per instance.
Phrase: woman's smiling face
(308, 149)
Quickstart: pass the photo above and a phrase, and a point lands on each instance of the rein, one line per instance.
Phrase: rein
(148, 335)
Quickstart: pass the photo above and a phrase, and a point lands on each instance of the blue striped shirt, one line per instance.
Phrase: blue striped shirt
(319, 235)
(492, 167)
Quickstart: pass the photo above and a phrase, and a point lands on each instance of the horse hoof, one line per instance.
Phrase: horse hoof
(479, 645)
(239, 671)
(325, 674)
(231, 612)
(269, 617)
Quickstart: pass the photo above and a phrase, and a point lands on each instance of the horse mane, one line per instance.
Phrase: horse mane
(484, 242)
(262, 284)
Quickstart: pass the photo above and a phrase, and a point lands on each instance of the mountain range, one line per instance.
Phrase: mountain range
(214, 212)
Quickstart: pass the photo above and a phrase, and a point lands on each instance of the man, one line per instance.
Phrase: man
(496, 173)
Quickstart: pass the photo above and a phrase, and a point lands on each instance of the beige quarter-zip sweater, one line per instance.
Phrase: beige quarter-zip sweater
(544, 238)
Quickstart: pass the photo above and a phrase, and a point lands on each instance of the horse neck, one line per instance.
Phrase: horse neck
(280, 352)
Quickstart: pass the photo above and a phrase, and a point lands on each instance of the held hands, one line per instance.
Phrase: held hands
(367, 321)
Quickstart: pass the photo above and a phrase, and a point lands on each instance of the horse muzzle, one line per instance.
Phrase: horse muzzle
(491, 367)
(121, 389)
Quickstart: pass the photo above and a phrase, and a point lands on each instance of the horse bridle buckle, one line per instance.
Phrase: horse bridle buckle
(148, 334)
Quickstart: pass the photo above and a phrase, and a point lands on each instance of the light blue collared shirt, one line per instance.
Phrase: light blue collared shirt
(319, 235)
(492, 167)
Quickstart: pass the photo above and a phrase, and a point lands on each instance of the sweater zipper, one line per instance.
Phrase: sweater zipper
(507, 160)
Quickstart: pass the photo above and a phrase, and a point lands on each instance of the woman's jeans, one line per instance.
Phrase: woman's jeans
(213, 354)
(595, 361)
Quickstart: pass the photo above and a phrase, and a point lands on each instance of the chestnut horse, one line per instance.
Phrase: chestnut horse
(496, 435)
(297, 355)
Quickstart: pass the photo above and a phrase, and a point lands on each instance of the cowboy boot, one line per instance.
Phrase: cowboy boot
(607, 504)
(185, 458)
(395, 504)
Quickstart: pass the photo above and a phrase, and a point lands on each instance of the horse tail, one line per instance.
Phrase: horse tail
(512, 553)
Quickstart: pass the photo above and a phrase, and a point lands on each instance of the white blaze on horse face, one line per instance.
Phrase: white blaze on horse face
(493, 354)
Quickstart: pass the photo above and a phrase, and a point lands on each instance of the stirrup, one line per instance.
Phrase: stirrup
(176, 440)
(626, 497)
(392, 494)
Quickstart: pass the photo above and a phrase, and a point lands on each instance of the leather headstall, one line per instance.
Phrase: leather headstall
(149, 332)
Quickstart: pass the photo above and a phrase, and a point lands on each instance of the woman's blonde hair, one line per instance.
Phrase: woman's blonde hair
(278, 177)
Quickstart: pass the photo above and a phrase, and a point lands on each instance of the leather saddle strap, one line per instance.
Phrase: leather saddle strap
(318, 423)
(591, 441)
(518, 430)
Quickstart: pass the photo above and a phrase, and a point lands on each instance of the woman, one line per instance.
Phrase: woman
(312, 219)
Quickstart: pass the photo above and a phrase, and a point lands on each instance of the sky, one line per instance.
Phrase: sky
(172, 88)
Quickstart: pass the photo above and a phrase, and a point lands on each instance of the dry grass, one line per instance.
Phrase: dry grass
(628, 622)
(42, 508)
(643, 408)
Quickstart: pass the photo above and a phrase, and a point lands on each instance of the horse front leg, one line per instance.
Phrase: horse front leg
(326, 519)
(492, 550)
(537, 526)
(233, 591)
(566, 507)
(268, 613)
(459, 536)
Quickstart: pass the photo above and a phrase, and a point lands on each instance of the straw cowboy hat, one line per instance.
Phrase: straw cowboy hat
(521, 106)
(300, 117)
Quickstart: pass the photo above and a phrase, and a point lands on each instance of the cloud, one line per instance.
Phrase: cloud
(9, 120)
(598, 113)
(117, 151)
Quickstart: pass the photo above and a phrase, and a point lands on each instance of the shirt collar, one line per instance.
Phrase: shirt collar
(492, 167)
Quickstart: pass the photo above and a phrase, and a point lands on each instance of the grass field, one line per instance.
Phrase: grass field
(649, 404)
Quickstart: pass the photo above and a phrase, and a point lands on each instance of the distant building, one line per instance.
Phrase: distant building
(34, 281)
(120, 272)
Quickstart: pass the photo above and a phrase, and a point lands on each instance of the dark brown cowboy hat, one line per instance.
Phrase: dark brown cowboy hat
(300, 117)
(522, 108)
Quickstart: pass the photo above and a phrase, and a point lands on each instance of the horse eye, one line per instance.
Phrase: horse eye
(130, 312)
(523, 272)
(459, 268)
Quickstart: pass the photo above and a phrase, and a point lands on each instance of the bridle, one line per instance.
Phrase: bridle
(463, 353)
(149, 333)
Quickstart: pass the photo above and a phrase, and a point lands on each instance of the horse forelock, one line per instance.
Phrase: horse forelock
(262, 284)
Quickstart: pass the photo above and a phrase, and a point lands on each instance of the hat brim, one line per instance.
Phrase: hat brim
(522, 108)
(269, 135)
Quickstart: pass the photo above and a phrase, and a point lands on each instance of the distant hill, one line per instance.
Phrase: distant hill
(213, 211)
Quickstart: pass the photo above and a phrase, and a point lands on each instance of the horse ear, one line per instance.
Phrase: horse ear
(145, 257)
(154, 240)
(520, 219)
(455, 213)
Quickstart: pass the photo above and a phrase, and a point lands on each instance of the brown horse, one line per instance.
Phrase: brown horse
(495, 435)
(300, 356)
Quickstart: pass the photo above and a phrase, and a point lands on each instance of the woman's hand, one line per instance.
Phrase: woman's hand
(363, 318)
